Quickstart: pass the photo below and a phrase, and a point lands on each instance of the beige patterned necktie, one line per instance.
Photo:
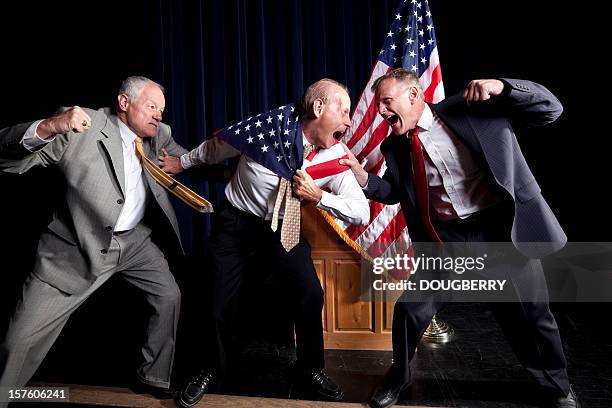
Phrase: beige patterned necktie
(290, 231)
(185, 194)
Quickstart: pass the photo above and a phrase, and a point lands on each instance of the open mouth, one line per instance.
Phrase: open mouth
(338, 135)
(392, 119)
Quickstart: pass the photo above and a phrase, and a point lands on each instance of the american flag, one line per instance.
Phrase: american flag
(411, 44)
(269, 139)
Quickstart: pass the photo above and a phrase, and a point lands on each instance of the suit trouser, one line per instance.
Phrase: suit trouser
(236, 236)
(44, 310)
(527, 322)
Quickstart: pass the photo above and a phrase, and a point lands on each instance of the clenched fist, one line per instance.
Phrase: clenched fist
(73, 119)
(482, 89)
(305, 188)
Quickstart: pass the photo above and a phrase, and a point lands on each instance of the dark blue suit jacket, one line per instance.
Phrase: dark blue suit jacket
(486, 129)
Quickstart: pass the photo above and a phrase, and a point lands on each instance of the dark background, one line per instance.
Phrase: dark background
(221, 61)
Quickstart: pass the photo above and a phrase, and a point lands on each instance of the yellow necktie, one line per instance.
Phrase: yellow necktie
(290, 231)
(188, 196)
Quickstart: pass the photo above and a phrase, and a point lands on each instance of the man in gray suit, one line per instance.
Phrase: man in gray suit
(460, 176)
(101, 228)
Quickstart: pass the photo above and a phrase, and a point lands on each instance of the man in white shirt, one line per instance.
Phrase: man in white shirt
(243, 226)
(100, 229)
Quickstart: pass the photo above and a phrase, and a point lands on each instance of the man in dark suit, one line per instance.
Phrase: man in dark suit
(460, 176)
(101, 228)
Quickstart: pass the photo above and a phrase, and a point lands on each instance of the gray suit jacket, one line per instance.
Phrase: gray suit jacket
(486, 129)
(74, 246)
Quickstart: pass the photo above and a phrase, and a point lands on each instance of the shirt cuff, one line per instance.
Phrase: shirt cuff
(31, 141)
(324, 203)
(185, 162)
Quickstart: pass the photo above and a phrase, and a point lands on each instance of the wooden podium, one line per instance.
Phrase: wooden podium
(348, 322)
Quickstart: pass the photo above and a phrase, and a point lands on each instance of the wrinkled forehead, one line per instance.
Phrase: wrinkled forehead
(341, 97)
(390, 87)
(151, 92)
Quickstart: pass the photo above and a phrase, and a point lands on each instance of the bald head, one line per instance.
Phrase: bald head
(326, 90)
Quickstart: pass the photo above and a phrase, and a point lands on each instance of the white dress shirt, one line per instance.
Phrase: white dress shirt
(135, 193)
(458, 187)
(254, 188)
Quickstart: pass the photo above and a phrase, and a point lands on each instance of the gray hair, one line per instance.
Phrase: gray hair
(401, 75)
(132, 86)
(318, 90)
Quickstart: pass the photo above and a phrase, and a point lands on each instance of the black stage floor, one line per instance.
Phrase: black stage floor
(477, 369)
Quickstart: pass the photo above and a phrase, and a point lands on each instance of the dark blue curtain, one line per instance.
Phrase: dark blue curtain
(222, 61)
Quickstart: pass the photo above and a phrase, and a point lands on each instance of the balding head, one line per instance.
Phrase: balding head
(326, 90)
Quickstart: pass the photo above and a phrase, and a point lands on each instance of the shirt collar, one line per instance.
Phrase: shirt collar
(127, 136)
(426, 119)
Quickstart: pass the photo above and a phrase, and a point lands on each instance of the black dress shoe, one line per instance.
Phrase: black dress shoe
(156, 392)
(387, 394)
(317, 384)
(195, 389)
(570, 401)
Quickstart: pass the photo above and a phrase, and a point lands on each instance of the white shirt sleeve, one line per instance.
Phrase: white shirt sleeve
(31, 141)
(211, 151)
(347, 201)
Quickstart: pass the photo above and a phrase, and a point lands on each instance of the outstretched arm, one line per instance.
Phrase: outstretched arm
(211, 151)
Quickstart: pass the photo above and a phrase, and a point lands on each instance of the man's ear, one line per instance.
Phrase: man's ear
(413, 94)
(317, 107)
(122, 102)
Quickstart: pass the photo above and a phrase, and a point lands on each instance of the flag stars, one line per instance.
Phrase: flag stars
(420, 19)
(422, 46)
(390, 33)
(269, 119)
(409, 41)
(286, 132)
(264, 148)
(429, 27)
(423, 60)
(418, 5)
(247, 128)
(278, 158)
(287, 144)
(250, 139)
(276, 144)
(412, 54)
(280, 116)
(398, 16)
(421, 32)
(393, 46)
(292, 108)
(272, 132)
(414, 68)
(428, 14)
(237, 132)
(430, 41)
(258, 123)
(260, 136)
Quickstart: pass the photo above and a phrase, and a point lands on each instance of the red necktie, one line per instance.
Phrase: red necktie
(420, 183)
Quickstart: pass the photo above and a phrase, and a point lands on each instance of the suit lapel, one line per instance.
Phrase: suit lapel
(403, 157)
(111, 142)
(453, 112)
